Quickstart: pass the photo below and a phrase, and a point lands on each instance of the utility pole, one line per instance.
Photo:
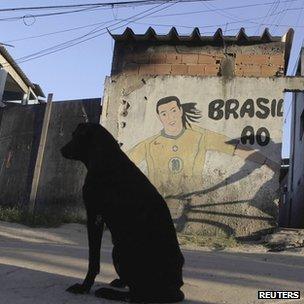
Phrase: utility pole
(39, 159)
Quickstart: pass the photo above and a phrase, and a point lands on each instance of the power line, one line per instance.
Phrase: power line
(250, 20)
(162, 25)
(100, 4)
(98, 32)
(271, 10)
(16, 18)
(83, 8)
(109, 5)
(58, 32)
(222, 9)
(81, 39)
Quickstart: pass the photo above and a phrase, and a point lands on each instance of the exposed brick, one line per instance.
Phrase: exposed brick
(179, 69)
(146, 69)
(174, 58)
(243, 59)
(260, 59)
(219, 56)
(158, 58)
(190, 58)
(196, 69)
(251, 59)
(212, 69)
(130, 68)
(238, 71)
(277, 60)
(251, 70)
(140, 58)
(268, 71)
(207, 59)
(162, 69)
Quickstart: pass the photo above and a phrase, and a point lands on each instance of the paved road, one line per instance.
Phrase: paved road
(36, 265)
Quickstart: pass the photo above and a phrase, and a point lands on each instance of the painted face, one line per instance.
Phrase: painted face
(170, 116)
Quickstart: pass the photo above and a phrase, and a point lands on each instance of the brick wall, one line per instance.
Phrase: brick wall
(259, 61)
(259, 65)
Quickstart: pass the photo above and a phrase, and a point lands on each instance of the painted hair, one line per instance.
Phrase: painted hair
(190, 112)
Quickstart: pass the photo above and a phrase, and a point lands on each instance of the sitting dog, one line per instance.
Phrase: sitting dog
(146, 253)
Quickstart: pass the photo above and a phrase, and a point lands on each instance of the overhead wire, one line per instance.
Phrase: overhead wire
(223, 9)
(84, 8)
(98, 4)
(110, 5)
(57, 32)
(16, 18)
(269, 12)
(285, 10)
(84, 38)
(101, 31)
(279, 17)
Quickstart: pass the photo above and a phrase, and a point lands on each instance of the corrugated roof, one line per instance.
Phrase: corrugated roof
(218, 37)
(36, 88)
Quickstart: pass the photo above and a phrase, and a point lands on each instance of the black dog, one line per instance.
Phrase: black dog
(146, 252)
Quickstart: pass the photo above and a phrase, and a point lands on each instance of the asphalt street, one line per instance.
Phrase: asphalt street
(38, 264)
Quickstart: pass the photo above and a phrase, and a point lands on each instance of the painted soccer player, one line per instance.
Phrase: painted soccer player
(175, 157)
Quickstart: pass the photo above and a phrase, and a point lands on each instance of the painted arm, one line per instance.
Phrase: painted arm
(230, 146)
(219, 142)
(138, 153)
(95, 229)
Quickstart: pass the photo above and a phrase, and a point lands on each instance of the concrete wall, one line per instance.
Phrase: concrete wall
(20, 128)
(211, 183)
(61, 180)
(295, 204)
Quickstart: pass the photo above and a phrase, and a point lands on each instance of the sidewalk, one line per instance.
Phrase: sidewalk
(37, 265)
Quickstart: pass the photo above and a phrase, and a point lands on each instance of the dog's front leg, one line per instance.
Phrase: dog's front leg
(95, 228)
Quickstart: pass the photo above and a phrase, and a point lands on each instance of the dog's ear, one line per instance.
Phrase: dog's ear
(102, 139)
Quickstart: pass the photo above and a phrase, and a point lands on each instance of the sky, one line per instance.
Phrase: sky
(48, 48)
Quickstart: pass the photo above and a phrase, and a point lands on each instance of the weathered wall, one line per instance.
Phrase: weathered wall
(295, 204)
(262, 60)
(61, 180)
(20, 128)
(211, 184)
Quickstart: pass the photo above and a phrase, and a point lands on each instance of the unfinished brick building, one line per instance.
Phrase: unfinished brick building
(172, 54)
(201, 116)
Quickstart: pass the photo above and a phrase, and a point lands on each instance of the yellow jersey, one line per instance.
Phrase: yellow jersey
(175, 163)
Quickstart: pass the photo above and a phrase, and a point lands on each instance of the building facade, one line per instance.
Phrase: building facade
(202, 118)
(14, 84)
(293, 206)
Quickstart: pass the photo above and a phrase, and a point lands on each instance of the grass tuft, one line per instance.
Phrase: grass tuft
(18, 215)
(201, 240)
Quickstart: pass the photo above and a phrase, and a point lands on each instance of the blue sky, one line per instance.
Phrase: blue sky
(79, 71)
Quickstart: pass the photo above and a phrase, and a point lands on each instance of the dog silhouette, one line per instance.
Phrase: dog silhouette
(146, 253)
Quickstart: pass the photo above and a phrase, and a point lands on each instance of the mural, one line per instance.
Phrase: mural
(175, 157)
(211, 146)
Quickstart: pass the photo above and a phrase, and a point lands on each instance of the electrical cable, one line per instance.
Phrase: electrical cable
(58, 32)
(224, 9)
(100, 4)
(78, 40)
(154, 24)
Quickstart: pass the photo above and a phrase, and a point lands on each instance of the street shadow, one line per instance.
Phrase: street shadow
(42, 274)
